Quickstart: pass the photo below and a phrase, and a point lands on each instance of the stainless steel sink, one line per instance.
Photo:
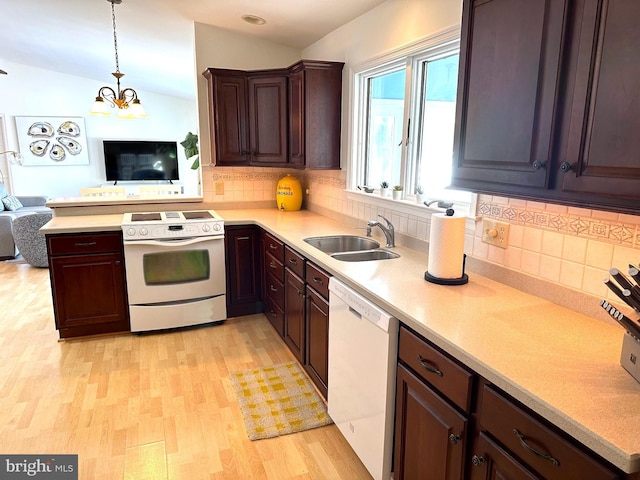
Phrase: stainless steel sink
(342, 243)
(365, 255)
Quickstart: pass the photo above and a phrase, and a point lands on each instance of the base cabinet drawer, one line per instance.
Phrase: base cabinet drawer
(534, 443)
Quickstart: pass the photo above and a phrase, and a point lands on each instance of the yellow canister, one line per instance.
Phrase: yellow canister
(289, 193)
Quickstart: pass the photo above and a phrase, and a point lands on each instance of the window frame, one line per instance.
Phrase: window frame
(410, 58)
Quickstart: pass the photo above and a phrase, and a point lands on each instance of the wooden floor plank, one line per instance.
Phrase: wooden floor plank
(145, 406)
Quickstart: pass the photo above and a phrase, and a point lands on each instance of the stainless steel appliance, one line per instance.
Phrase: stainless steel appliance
(175, 268)
(363, 346)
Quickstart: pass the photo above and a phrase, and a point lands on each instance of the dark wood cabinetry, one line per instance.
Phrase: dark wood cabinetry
(431, 428)
(317, 326)
(545, 98)
(243, 267)
(315, 96)
(277, 117)
(447, 428)
(273, 281)
(248, 116)
(88, 283)
(294, 308)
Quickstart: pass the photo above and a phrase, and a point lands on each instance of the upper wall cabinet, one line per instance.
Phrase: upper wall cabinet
(248, 116)
(546, 98)
(278, 117)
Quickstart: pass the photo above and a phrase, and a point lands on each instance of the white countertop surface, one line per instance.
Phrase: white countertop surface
(561, 364)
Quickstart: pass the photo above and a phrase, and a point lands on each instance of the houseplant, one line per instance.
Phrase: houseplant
(397, 192)
(419, 195)
(384, 189)
(190, 145)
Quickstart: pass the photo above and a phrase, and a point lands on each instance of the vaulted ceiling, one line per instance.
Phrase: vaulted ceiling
(155, 37)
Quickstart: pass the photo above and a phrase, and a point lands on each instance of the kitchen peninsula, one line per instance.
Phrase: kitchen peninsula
(562, 365)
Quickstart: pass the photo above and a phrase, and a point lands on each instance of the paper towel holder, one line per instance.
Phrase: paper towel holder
(449, 281)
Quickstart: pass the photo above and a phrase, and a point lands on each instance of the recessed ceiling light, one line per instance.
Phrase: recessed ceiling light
(253, 19)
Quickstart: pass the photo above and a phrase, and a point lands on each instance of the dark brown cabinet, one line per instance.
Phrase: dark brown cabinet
(432, 410)
(248, 116)
(315, 96)
(317, 326)
(452, 424)
(277, 117)
(243, 267)
(545, 101)
(524, 443)
(273, 281)
(88, 283)
(294, 308)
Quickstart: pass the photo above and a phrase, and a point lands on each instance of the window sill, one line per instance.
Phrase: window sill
(411, 207)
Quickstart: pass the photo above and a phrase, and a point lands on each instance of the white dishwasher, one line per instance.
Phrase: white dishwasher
(363, 347)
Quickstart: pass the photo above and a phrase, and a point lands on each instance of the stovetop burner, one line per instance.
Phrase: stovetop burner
(172, 224)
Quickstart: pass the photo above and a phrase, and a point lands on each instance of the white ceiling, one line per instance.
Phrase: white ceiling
(155, 37)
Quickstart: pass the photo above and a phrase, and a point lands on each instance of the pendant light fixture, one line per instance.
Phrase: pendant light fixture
(126, 100)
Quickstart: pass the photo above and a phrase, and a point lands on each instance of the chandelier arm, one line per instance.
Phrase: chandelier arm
(128, 95)
(108, 94)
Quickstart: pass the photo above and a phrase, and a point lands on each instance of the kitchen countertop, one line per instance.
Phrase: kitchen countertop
(563, 365)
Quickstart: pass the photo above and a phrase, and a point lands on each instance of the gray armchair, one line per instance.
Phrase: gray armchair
(29, 241)
(30, 205)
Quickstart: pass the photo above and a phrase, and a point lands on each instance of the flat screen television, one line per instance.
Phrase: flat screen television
(140, 160)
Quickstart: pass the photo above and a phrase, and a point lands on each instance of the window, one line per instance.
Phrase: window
(405, 117)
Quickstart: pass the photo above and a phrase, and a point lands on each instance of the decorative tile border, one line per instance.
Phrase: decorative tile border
(616, 232)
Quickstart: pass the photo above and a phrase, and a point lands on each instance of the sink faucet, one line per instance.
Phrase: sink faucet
(387, 230)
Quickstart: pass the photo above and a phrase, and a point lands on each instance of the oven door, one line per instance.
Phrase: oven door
(169, 271)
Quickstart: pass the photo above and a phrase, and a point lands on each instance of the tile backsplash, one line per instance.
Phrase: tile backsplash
(572, 247)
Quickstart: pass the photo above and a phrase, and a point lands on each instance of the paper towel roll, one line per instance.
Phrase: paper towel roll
(446, 246)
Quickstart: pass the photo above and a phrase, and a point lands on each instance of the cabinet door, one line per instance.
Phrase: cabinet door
(242, 246)
(317, 325)
(296, 119)
(268, 120)
(294, 332)
(430, 437)
(228, 98)
(505, 113)
(89, 294)
(602, 144)
(490, 462)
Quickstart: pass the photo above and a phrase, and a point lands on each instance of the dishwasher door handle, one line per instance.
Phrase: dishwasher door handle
(355, 312)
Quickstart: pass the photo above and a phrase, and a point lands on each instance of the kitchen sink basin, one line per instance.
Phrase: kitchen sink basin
(365, 255)
(342, 243)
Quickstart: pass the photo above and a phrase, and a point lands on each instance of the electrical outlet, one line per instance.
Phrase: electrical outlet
(495, 232)
(219, 187)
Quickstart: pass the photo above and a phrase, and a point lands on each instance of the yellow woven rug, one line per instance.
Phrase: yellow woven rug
(278, 400)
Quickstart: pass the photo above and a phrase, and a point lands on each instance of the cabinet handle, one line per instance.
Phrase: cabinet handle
(428, 367)
(242, 238)
(477, 461)
(453, 438)
(272, 265)
(524, 443)
(272, 288)
(293, 261)
(537, 165)
(566, 167)
(273, 247)
(85, 244)
(300, 294)
(317, 280)
(117, 262)
(272, 314)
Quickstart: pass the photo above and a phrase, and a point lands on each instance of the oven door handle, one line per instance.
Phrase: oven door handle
(174, 243)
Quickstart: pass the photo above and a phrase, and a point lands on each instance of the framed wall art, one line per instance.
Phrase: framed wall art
(52, 140)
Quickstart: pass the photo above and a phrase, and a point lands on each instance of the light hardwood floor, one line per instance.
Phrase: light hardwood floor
(153, 406)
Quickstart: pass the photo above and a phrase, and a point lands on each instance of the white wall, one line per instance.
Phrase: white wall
(30, 91)
(219, 48)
